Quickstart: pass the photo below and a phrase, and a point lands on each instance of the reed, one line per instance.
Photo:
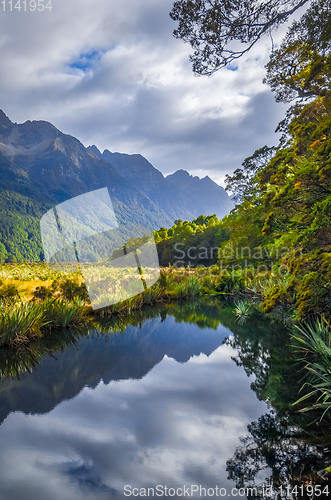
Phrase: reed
(193, 286)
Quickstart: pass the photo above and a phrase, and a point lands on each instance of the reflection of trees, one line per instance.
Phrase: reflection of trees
(203, 313)
(293, 456)
(15, 361)
(102, 353)
(264, 351)
(283, 443)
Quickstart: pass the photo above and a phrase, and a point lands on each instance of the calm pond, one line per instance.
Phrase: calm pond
(186, 396)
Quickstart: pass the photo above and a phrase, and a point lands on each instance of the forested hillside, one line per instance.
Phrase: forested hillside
(41, 167)
(281, 226)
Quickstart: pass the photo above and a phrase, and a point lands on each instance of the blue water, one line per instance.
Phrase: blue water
(160, 404)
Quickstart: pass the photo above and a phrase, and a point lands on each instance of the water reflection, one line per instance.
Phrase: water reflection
(174, 395)
(176, 426)
(162, 403)
(292, 455)
(285, 447)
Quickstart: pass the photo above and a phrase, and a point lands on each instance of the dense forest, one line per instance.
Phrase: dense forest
(281, 226)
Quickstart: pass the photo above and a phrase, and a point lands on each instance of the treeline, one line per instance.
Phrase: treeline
(193, 243)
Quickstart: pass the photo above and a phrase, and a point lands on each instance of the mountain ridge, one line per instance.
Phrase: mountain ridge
(171, 193)
(41, 167)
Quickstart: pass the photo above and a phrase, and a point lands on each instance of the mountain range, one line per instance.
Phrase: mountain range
(41, 167)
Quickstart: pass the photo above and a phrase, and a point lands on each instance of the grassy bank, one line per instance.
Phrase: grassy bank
(34, 288)
(34, 299)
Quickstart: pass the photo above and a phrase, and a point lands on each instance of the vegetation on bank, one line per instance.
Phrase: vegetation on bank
(282, 225)
(282, 221)
(36, 300)
(275, 245)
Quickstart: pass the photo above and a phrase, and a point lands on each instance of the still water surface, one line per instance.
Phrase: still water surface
(162, 403)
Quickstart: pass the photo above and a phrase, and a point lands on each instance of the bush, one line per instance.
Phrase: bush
(42, 293)
(71, 289)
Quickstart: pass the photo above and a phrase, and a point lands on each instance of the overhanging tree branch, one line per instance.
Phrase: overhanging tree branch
(210, 27)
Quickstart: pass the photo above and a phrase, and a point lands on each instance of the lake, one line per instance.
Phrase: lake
(161, 403)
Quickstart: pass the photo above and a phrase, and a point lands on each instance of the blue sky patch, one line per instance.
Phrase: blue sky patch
(86, 60)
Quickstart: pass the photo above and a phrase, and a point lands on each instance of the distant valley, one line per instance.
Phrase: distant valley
(41, 167)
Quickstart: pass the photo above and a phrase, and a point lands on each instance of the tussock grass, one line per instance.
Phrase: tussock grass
(63, 313)
(20, 323)
(62, 296)
(313, 341)
(242, 308)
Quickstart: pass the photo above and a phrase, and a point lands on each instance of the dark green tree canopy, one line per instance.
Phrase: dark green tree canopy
(221, 31)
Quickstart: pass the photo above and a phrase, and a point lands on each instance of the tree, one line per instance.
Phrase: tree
(221, 31)
(301, 67)
(241, 183)
(278, 446)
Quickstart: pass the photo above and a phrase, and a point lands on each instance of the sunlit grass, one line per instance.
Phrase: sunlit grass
(63, 313)
(20, 323)
(64, 300)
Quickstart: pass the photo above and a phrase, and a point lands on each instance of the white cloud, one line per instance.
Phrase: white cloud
(141, 95)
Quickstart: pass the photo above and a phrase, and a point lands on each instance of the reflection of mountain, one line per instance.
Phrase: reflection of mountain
(40, 167)
(125, 356)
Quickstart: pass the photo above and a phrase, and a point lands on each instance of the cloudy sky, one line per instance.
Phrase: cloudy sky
(110, 73)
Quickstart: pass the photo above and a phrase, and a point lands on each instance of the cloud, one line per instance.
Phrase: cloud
(112, 74)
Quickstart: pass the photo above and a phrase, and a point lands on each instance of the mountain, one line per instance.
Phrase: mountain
(41, 167)
(180, 195)
(59, 167)
(204, 196)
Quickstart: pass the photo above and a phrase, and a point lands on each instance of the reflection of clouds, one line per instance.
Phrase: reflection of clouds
(83, 474)
(178, 425)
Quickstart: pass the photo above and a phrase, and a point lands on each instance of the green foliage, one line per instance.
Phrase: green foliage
(20, 227)
(242, 310)
(70, 289)
(281, 226)
(242, 183)
(284, 192)
(212, 27)
(42, 293)
(301, 67)
(20, 323)
(9, 294)
(191, 243)
(313, 341)
(61, 313)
